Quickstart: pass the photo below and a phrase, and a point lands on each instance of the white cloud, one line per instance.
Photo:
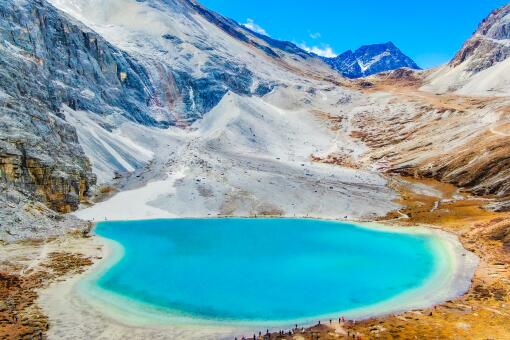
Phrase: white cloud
(324, 51)
(315, 35)
(250, 24)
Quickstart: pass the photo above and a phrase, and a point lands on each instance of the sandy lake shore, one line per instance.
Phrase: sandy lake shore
(82, 309)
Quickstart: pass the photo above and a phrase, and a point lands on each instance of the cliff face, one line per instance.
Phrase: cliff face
(48, 57)
(44, 181)
(40, 156)
(47, 61)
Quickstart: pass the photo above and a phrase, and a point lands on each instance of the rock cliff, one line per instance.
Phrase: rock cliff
(47, 60)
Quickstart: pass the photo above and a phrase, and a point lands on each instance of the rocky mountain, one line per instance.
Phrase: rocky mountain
(188, 113)
(68, 81)
(482, 66)
(370, 59)
(461, 132)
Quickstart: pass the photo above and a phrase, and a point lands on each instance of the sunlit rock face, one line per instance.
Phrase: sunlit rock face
(68, 64)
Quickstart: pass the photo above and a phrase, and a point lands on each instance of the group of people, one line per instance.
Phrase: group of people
(296, 329)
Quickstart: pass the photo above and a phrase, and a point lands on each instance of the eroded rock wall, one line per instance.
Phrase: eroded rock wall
(46, 61)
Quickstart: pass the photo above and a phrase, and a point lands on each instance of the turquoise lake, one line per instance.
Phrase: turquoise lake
(262, 269)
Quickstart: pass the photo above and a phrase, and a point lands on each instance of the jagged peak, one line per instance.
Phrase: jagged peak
(371, 59)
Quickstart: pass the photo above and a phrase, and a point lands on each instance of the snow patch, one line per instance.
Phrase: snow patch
(366, 66)
(134, 204)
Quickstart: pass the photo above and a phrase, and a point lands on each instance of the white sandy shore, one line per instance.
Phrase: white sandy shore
(76, 311)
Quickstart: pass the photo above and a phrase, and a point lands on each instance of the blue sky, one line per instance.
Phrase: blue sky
(428, 31)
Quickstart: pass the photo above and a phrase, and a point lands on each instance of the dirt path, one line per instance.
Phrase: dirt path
(43, 254)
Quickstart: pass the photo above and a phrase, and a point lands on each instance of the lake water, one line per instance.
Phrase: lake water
(263, 269)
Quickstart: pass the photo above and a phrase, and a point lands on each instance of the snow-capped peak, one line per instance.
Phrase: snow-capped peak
(370, 59)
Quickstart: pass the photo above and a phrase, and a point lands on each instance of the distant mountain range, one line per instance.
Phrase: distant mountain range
(370, 59)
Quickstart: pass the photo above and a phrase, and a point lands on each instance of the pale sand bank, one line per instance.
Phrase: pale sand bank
(77, 309)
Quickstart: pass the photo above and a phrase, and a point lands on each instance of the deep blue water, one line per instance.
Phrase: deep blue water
(262, 269)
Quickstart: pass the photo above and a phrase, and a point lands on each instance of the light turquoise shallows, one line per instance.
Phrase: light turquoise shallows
(262, 269)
